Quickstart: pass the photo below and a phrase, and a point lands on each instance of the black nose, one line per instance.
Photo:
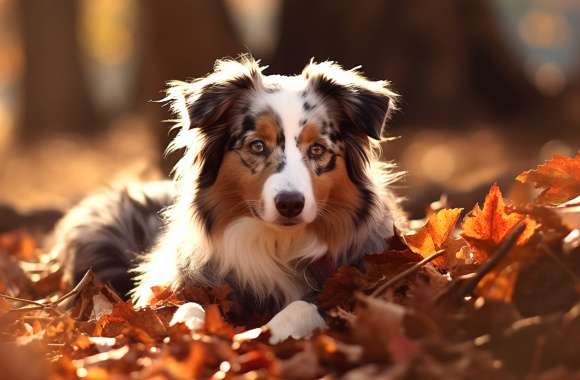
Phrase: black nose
(289, 203)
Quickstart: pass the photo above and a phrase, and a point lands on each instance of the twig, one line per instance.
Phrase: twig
(568, 205)
(51, 306)
(393, 280)
(22, 300)
(87, 278)
(504, 247)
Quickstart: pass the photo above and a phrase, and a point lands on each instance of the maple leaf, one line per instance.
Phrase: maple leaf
(484, 229)
(436, 235)
(559, 177)
(164, 296)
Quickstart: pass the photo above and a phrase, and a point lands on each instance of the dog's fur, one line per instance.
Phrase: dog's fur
(221, 221)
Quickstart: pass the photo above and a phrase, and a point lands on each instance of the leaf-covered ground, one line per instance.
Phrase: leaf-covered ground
(492, 292)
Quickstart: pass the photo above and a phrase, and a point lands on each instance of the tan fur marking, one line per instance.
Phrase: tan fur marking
(267, 128)
(339, 199)
(309, 134)
(233, 190)
(336, 196)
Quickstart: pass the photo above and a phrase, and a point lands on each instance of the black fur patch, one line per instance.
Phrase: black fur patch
(212, 155)
(281, 139)
(281, 165)
(249, 123)
(335, 137)
(329, 166)
(367, 110)
(204, 214)
(211, 112)
(356, 160)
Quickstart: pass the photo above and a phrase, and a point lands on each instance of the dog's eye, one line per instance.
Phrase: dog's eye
(257, 147)
(316, 150)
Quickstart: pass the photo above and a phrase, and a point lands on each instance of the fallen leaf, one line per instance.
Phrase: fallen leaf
(340, 288)
(484, 229)
(378, 322)
(20, 244)
(436, 234)
(215, 324)
(559, 178)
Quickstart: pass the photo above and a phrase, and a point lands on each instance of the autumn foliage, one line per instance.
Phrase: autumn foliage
(495, 293)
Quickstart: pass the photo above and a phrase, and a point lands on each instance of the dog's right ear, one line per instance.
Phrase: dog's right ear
(202, 108)
(203, 102)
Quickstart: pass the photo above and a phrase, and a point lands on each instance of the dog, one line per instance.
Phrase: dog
(279, 184)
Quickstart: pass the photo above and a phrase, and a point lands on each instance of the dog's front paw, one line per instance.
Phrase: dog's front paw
(297, 320)
(191, 314)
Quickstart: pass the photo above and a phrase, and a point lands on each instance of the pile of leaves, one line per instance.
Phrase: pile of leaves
(493, 293)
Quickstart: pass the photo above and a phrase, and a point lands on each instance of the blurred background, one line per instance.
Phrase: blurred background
(489, 87)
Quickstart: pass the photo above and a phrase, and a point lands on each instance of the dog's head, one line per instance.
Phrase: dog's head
(283, 149)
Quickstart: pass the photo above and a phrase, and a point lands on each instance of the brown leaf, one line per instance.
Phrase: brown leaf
(340, 288)
(378, 322)
(559, 178)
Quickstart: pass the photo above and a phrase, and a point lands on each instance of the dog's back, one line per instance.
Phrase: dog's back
(108, 231)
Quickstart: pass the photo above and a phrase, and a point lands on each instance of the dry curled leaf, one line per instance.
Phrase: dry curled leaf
(404, 333)
(436, 234)
(559, 178)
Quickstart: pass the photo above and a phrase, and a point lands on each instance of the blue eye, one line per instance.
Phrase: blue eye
(257, 146)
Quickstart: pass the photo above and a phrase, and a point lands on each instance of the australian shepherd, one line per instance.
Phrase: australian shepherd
(278, 184)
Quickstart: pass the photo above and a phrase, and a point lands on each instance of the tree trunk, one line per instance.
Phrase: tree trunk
(181, 40)
(56, 97)
(448, 59)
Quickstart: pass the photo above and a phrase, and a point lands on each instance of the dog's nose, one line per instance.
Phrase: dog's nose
(289, 203)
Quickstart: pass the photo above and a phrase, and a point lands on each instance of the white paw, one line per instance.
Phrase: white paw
(191, 313)
(297, 320)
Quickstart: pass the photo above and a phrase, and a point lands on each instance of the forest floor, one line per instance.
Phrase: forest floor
(487, 290)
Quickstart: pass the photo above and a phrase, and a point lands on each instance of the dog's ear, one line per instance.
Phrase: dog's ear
(367, 104)
(202, 107)
(203, 102)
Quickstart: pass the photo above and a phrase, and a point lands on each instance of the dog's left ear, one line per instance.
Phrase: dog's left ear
(367, 104)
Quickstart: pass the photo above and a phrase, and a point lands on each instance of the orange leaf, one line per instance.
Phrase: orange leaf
(484, 229)
(433, 235)
(559, 177)
(215, 324)
(20, 244)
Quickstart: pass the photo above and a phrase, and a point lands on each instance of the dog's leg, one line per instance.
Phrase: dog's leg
(297, 320)
(190, 313)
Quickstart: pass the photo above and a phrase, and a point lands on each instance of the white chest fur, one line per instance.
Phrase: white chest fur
(261, 257)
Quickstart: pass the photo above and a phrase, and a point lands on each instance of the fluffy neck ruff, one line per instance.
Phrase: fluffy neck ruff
(264, 259)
